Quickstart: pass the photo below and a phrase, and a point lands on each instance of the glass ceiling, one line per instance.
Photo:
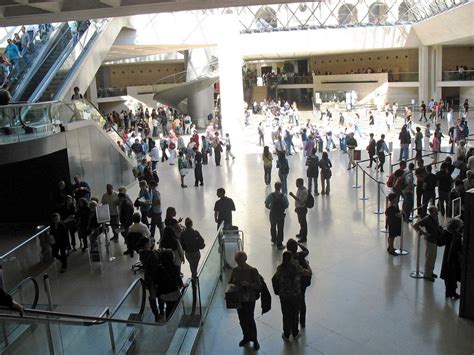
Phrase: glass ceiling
(335, 13)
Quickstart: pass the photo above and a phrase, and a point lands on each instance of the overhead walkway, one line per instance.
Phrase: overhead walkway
(126, 328)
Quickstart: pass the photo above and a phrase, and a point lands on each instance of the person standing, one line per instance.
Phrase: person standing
(154, 155)
(445, 184)
(287, 284)
(144, 201)
(381, 150)
(312, 162)
(223, 209)
(155, 209)
(247, 279)
(228, 147)
(182, 168)
(394, 221)
(351, 143)
(77, 94)
(283, 171)
(217, 150)
(261, 134)
(418, 143)
(204, 150)
(429, 188)
(277, 203)
(111, 198)
(81, 189)
(405, 140)
(325, 166)
(432, 231)
(59, 244)
(299, 257)
(191, 242)
(423, 111)
(267, 165)
(407, 192)
(301, 209)
(451, 266)
(420, 174)
(198, 177)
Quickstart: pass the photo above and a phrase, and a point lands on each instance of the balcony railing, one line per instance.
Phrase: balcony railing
(111, 92)
(455, 75)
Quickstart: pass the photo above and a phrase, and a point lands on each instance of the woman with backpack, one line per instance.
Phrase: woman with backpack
(325, 166)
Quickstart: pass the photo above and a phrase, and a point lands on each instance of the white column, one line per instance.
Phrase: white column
(423, 74)
(230, 76)
(438, 72)
(91, 92)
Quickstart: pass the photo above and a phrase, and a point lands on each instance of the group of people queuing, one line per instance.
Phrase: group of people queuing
(436, 193)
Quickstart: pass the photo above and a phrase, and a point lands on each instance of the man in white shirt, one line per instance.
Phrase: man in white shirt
(111, 198)
(139, 228)
(301, 210)
(280, 145)
(154, 156)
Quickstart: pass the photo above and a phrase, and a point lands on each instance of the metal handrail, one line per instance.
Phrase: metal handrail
(128, 292)
(24, 243)
(216, 240)
(21, 283)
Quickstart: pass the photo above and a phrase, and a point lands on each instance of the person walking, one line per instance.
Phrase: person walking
(267, 165)
(371, 149)
(277, 203)
(192, 242)
(351, 143)
(325, 165)
(228, 147)
(247, 279)
(155, 210)
(283, 171)
(223, 209)
(381, 150)
(287, 285)
(432, 232)
(405, 140)
(59, 241)
(312, 162)
(300, 208)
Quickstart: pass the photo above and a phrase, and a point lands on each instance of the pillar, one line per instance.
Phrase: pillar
(423, 74)
(230, 76)
(91, 93)
(438, 71)
(201, 103)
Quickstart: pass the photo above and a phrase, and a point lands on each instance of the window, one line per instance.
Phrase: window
(266, 18)
(378, 12)
(347, 14)
(404, 13)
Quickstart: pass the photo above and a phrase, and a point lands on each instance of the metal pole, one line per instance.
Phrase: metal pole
(401, 251)
(417, 274)
(363, 188)
(111, 330)
(390, 162)
(378, 211)
(357, 186)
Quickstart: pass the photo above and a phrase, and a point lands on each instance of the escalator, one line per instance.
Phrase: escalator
(44, 60)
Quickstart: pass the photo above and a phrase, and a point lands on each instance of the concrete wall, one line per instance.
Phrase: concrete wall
(453, 56)
(124, 75)
(466, 93)
(397, 60)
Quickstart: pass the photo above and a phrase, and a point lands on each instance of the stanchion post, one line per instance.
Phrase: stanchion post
(417, 274)
(363, 198)
(378, 211)
(357, 186)
(401, 251)
(390, 162)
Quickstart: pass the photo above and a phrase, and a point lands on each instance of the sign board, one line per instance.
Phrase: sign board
(102, 213)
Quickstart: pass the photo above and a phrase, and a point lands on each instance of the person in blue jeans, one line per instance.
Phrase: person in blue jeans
(14, 55)
(283, 171)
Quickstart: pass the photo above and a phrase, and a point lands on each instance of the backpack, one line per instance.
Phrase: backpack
(400, 183)
(305, 280)
(278, 204)
(310, 201)
(391, 180)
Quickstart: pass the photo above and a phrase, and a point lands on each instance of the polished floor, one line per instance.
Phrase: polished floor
(361, 301)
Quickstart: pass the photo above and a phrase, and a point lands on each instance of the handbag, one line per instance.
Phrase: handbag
(232, 297)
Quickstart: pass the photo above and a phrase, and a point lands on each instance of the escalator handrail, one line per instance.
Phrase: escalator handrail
(7, 254)
(20, 285)
(48, 78)
(37, 65)
(53, 316)
(99, 26)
